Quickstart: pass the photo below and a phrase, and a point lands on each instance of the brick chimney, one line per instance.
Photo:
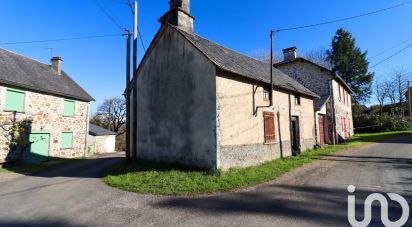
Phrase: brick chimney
(179, 15)
(56, 64)
(289, 54)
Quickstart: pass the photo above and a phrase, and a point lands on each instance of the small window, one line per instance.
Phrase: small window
(66, 140)
(266, 94)
(297, 99)
(68, 108)
(269, 119)
(340, 93)
(15, 100)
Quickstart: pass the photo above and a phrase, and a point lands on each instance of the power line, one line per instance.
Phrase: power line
(346, 18)
(391, 48)
(141, 39)
(393, 55)
(108, 15)
(60, 39)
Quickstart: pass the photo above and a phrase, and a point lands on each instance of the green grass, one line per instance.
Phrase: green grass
(160, 179)
(38, 167)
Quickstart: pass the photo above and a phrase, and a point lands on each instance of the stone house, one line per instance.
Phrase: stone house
(334, 109)
(101, 140)
(51, 107)
(201, 104)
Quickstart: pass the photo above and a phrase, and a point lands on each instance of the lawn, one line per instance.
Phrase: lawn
(160, 179)
(38, 167)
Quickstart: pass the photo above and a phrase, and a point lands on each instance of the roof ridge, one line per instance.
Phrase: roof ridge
(27, 58)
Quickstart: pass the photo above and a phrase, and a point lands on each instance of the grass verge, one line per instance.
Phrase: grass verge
(161, 179)
(37, 167)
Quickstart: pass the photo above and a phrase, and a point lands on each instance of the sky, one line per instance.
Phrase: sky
(98, 65)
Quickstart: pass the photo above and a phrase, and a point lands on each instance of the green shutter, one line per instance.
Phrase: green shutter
(68, 108)
(14, 100)
(67, 140)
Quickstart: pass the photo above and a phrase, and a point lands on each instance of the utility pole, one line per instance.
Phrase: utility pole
(127, 94)
(272, 33)
(135, 32)
(409, 100)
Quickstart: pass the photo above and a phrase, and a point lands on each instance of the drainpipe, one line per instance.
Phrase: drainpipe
(316, 129)
(335, 132)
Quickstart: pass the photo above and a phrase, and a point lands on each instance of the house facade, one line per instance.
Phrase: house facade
(201, 104)
(334, 122)
(43, 112)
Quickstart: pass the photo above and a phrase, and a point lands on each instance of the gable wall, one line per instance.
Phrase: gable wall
(176, 104)
(241, 123)
(342, 110)
(310, 76)
(46, 113)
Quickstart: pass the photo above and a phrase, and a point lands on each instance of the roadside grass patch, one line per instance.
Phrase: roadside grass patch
(163, 179)
(37, 167)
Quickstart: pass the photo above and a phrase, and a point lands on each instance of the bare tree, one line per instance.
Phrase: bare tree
(319, 56)
(112, 115)
(264, 55)
(381, 93)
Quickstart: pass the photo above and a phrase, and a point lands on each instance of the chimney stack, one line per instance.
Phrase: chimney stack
(179, 15)
(57, 64)
(289, 54)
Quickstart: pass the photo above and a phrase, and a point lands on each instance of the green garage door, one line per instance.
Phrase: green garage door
(39, 148)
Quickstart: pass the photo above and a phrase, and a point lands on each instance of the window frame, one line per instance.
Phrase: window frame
(61, 141)
(269, 118)
(64, 107)
(298, 99)
(266, 94)
(6, 98)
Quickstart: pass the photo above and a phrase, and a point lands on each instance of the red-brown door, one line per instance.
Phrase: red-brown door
(322, 129)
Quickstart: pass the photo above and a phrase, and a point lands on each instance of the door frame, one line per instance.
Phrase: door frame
(322, 129)
(295, 135)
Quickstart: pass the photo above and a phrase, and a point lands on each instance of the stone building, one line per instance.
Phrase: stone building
(334, 109)
(201, 104)
(52, 110)
(101, 140)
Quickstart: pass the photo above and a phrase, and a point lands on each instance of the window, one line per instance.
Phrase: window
(68, 110)
(66, 140)
(297, 99)
(14, 100)
(340, 94)
(266, 94)
(269, 119)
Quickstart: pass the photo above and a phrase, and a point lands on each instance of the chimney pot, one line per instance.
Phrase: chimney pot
(56, 64)
(179, 15)
(290, 54)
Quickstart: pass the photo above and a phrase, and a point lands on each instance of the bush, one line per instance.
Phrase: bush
(374, 123)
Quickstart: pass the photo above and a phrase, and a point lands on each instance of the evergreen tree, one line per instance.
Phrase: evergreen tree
(350, 63)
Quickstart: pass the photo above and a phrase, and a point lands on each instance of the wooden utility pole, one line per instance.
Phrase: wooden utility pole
(127, 94)
(135, 32)
(272, 32)
(409, 100)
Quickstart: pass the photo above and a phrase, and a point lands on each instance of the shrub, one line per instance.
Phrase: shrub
(374, 123)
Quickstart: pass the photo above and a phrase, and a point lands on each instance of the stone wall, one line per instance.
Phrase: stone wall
(46, 113)
(240, 107)
(342, 110)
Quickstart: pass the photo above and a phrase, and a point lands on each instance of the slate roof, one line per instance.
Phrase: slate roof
(25, 73)
(95, 130)
(299, 59)
(242, 65)
(321, 102)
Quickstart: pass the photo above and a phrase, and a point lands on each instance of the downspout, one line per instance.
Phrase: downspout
(290, 124)
(335, 132)
(316, 128)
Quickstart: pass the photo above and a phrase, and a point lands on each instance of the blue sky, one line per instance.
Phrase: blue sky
(98, 65)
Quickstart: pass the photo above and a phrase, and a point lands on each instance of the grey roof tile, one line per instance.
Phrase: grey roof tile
(95, 130)
(242, 65)
(25, 73)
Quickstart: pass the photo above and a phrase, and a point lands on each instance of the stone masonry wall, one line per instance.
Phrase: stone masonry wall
(241, 123)
(342, 109)
(46, 113)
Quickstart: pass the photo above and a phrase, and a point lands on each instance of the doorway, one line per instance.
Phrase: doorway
(38, 150)
(322, 130)
(295, 134)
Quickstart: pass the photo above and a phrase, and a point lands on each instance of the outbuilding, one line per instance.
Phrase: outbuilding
(101, 140)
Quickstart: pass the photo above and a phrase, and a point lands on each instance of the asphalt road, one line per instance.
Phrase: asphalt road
(314, 195)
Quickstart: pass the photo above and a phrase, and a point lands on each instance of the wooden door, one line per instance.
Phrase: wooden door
(322, 130)
(295, 136)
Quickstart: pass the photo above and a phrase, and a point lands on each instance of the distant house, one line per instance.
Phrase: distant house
(202, 104)
(101, 140)
(54, 107)
(334, 108)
